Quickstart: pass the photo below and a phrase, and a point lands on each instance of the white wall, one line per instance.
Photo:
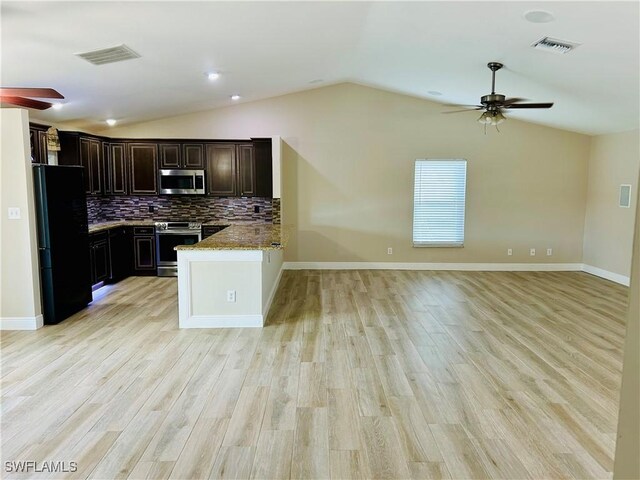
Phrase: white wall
(608, 233)
(20, 303)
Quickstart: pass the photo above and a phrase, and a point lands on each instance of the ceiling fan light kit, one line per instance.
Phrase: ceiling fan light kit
(494, 103)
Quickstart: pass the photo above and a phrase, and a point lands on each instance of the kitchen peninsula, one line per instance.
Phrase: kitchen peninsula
(230, 278)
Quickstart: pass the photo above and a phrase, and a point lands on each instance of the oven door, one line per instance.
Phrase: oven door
(166, 256)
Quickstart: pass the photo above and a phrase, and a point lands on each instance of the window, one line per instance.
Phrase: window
(438, 203)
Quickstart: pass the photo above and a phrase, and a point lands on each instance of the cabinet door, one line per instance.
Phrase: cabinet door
(263, 167)
(246, 171)
(121, 251)
(106, 168)
(117, 169)
(39, 150)
(221, 170)
(193, 155)
(144, 253)
(100, 261)
(143, 159)
(169, 155)
(85, 162)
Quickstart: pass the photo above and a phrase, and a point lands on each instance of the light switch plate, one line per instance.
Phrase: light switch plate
(14, 213)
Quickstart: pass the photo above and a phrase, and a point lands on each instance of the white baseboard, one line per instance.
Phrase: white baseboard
(222, 321)
(272, 294)
(21, 323)
(614, 277)
(493, 267)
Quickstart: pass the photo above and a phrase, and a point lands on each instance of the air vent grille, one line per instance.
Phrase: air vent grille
(109, 55)
(553, 45)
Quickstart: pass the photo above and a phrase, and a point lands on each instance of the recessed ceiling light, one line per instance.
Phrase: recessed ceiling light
(57, 106)
(539, 16)
(212, 75)
(111, 122)
(235, 97)
(434, 92)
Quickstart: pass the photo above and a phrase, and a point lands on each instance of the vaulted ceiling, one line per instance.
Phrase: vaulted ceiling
(265, 49)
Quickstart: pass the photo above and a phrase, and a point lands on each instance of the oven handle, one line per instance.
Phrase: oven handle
(179, 232)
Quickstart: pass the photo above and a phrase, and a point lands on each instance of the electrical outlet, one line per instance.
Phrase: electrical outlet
(231, 296)
(509, 251)
(549, 252)
(14, 213)
(532, 252)
(256, 209)
(389, 251)
(152, 209)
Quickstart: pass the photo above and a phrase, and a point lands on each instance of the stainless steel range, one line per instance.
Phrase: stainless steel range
(168, 236)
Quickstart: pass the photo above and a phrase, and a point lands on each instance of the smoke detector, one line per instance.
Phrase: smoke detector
(554, 45)
(109, 55)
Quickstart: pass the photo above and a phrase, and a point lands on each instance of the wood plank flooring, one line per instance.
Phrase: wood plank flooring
(358, 374)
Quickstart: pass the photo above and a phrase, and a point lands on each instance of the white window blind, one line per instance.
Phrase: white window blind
(438, 203)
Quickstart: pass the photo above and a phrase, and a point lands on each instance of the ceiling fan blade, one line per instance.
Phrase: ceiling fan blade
(30, 92)
(510, 101)
(465, 110)
(459, 105)
(24, 102)
(529, 105)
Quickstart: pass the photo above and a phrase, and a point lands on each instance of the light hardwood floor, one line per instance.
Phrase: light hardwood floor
(359, 374)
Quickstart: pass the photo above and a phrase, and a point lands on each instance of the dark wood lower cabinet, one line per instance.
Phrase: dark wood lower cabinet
(100, 257)
(121, 253)
(144, 251)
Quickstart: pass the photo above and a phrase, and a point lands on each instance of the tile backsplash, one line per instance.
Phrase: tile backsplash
(177, 207)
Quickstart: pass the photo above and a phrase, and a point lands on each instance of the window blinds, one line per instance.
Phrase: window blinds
(438, 203)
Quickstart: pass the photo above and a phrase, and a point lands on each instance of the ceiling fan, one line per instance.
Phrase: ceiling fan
(494, 104)
(20, 97)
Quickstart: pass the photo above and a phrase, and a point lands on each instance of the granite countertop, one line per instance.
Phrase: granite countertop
(99, 227)
(255, 236)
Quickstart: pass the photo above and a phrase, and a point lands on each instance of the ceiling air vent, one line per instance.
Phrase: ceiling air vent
(109, 55)
(553, 45)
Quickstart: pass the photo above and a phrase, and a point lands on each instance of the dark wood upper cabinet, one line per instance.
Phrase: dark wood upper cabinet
(117, 168)
(170, 155)
(263, 167)
(221, 170)
(246, 171)
(143, 160)
(38, 141)
(91, 160)
(193, 155)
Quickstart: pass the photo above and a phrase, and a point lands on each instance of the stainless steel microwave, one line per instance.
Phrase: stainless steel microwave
(182, 182)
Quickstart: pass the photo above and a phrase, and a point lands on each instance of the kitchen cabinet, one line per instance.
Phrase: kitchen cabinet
(115, 167)
(120, 253)
(87, 151)
(38, 141)
(221, 170)
(144, 251)
(263, 165)
(240, 169)
(181, 155)
(208, 230)
(100, 257)
(193, 155)
(143, 161)
(170, 156)
(91, 160)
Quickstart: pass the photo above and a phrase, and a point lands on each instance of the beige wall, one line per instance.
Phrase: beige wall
(20, 305)
(348, 155)
(627, 462)
(608, 237)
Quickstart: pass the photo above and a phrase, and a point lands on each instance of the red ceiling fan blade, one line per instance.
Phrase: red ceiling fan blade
(30, 92)
(529, 105)
(24, 102)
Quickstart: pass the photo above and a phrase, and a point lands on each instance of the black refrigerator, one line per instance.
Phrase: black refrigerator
(63, 240)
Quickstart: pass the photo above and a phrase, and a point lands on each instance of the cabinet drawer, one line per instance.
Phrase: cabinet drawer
(144, 230)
